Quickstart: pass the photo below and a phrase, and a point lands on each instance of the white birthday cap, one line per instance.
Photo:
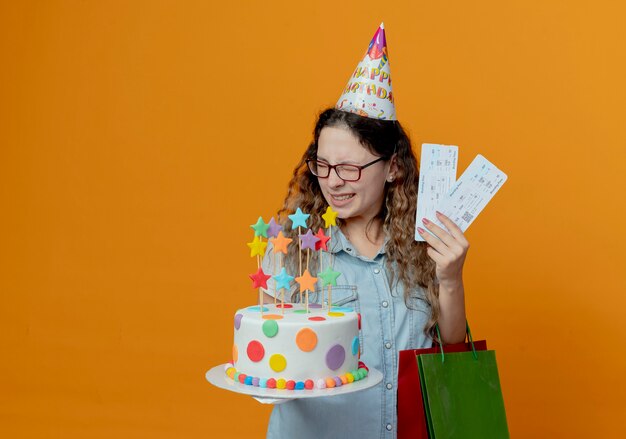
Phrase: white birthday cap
(369, 92)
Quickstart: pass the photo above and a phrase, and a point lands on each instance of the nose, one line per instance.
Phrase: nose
(333, 179)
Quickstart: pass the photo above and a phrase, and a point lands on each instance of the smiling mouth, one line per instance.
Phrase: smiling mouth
(342, 197)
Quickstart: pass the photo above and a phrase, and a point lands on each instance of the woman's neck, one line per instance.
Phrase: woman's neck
(366, 237)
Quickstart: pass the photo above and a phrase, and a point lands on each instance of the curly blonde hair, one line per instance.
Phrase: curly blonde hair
(407, 260)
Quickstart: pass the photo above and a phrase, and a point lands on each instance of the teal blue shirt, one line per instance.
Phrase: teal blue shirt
(387, 326)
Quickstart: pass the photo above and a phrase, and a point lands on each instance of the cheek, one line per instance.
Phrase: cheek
(322, 184)
(373, 190)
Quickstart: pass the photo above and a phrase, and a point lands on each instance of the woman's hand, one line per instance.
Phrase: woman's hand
(447, 248)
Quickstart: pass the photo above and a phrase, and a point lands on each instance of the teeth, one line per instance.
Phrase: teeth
(342, 197)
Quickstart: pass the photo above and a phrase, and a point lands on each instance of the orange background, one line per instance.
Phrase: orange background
(138, 141)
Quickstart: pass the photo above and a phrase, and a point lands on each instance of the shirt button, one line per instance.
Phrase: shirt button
(389, 427)
(388, 345)
(376, 270)
(389, 386)
(385, 304)
(348, 249)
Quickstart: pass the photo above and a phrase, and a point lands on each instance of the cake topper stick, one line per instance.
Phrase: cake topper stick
(307, 283)
(257, 248)
(282, 282)
(330, 219)
(298, 220)
(274, 272)
(329, 278)
(330, 298)
(306, 292)
(280, 244)
(259, 280)
(300, 260)
(308, 241)
(321, 246)
(258, 265)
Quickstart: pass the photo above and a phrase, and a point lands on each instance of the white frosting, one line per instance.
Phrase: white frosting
(335, 330)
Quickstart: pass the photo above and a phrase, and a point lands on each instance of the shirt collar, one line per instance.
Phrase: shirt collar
(339, 243)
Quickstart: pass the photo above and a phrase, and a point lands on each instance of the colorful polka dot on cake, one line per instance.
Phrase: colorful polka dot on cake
(278, 363)
(306, 339)
(286, 305)
(272, 317)
(238, 318)
(270, 328)
(255, 351)
(281, 383)
(355, 345)
(335, 357)
(317, 319)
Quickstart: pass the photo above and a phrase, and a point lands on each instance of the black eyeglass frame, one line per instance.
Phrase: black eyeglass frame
(312, 162)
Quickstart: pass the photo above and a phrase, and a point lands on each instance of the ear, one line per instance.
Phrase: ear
(393, 168)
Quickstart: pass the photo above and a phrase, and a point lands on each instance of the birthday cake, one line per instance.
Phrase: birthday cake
(295, 346)
(296, 350)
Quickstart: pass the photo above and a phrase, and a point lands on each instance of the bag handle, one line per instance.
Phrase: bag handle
(468, 333)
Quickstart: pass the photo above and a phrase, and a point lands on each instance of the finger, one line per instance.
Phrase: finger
(440, 233)
(454, 230)
(435, 256)
(433, 241)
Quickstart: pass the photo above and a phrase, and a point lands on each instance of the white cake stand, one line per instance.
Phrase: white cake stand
(217, 376)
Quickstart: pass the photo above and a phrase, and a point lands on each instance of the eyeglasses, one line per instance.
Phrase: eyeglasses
(346, 172)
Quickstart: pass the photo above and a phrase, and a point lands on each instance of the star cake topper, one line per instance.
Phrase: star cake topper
(330, 217)
(323, 240)
(329, 277)
(280, 243)
(260, 228)
(283, 279)
(308, 240)
(306, 281)
(257, 247)
(273, 228)
(298, 219)
(259, 279)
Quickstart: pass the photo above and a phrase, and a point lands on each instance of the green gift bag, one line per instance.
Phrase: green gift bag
(462, 394)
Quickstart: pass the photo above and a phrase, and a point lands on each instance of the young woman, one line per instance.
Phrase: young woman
(365, 170)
